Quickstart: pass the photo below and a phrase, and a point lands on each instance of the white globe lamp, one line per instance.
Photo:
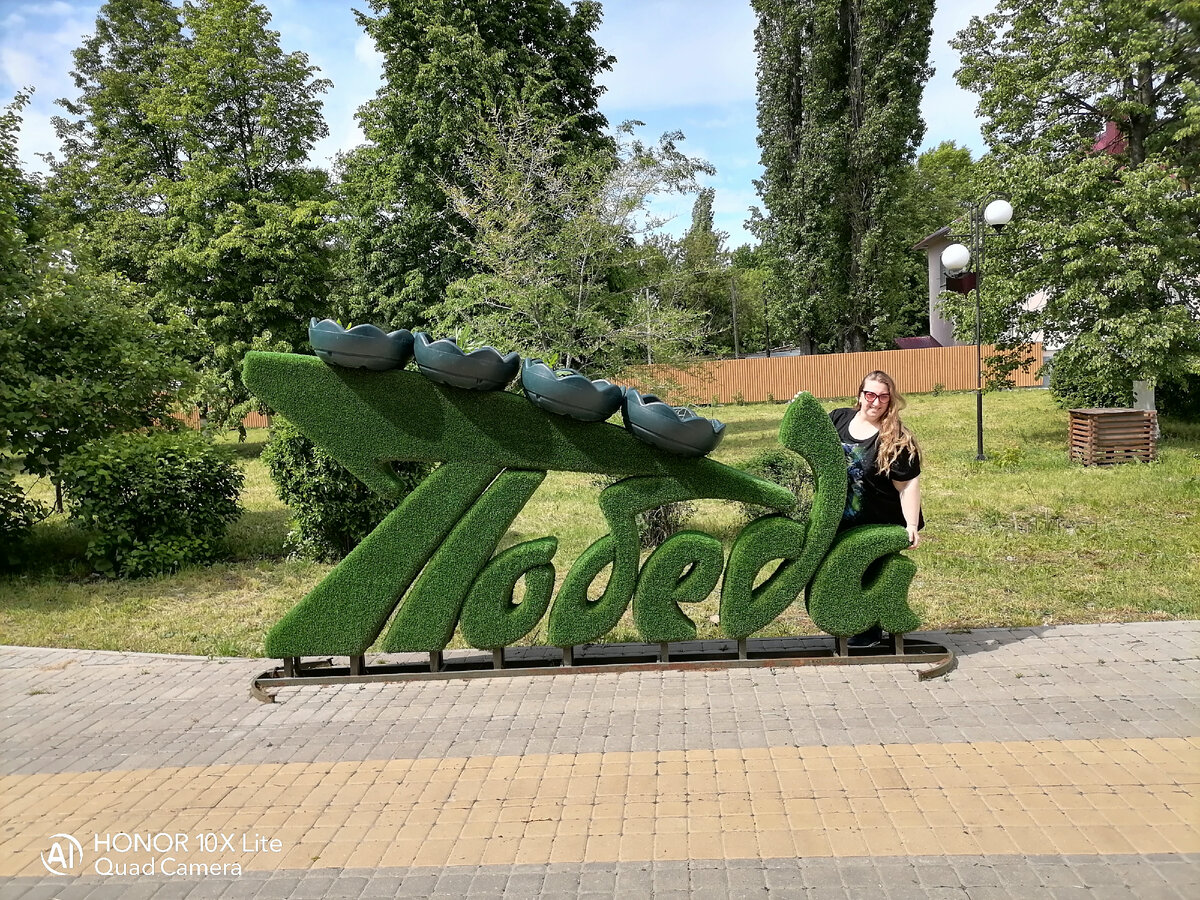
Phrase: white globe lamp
(998, 213)
(955, 258)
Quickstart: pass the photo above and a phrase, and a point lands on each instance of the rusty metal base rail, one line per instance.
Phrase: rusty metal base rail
(599, 658)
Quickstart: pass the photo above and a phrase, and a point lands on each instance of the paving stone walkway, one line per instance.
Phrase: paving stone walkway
(1054, 762)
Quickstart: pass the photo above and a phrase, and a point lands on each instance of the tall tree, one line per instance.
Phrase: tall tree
(563, 244)
(752, 275)
(705, 276)
(184, 170)
(447, 66)
(1092, 112)
(839, 93)
(80, 357)
(249, 222)
(116, 163)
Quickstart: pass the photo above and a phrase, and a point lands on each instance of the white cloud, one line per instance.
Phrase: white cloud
(58, 8)
(366, 52)
(675, 53)
(35, 52)
(19, 67)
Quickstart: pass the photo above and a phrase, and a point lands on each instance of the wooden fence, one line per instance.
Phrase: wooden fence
(825, 376)
(192, 419)
(779, 377)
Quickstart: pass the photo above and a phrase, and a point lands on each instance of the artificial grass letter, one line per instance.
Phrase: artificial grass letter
(490, 618)
(806, 430)
(864, 581)
(684, 569)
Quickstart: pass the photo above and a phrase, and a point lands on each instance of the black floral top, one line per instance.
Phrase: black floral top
(871, 498)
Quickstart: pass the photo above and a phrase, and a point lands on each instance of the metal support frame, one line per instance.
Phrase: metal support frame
(686, 655)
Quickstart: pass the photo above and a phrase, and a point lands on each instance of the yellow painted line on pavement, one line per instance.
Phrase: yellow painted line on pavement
(1034, 797)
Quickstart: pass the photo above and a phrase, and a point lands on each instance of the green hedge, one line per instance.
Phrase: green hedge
(152, 503)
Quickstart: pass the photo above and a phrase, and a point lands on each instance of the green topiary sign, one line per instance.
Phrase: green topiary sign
(431, 565)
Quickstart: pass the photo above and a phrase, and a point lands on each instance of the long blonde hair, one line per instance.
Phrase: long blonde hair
(894, 437)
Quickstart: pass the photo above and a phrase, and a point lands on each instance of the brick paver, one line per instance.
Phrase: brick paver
(1057, 761)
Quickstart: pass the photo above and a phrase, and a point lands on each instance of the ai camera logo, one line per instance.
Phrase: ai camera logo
(65, 854)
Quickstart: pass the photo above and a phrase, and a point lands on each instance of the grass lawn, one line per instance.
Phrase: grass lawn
(1025, 538)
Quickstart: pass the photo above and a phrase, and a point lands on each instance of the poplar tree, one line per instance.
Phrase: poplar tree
(706, 274)
(839, 90)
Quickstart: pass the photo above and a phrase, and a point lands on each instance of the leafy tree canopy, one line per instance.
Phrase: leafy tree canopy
(1092, 115)
(447, 66)
(80, 357)
(562, 240)
(184, 172)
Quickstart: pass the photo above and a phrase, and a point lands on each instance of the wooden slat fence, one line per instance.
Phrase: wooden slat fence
(825, 376)
(192, 419)
(779, 377)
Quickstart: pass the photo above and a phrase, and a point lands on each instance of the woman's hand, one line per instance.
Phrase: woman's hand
(910, 505)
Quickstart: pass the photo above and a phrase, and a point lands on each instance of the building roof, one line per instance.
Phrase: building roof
(1111, 141)
(776, 351)
(924, 342)
(938, 236)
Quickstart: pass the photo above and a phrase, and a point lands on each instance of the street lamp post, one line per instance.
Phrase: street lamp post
(993, 210)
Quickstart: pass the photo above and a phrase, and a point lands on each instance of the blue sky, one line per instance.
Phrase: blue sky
(681, 64)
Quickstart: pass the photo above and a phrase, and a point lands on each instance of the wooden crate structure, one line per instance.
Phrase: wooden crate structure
(1101, 437)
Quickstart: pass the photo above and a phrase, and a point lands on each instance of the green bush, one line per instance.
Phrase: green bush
(1179, 396)
(332, 510)
(17, 516)
(153, 502)
(1085, 375)
(658, 524)
(786, 469)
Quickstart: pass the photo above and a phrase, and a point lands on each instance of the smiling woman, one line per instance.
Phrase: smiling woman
(884, 467)
(883, 459)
